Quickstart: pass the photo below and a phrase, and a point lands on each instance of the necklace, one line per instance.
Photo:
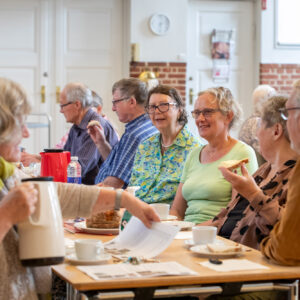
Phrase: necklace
(164, 146)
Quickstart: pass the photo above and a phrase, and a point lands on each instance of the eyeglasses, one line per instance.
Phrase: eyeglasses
(114, 102)
(162, 107)
(284, 112)
(66, 104)
(207, 112)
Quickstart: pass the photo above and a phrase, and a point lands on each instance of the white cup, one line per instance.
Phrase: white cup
(88, 249)
(203, 235)
(132, 189)
(162, 209)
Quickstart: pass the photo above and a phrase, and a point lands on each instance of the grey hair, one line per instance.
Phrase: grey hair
(78, 91)
(270, 113)
(97, 100)
(296, 86)
(225, 102)
(260, 95)
(14, 107)
(132, 87)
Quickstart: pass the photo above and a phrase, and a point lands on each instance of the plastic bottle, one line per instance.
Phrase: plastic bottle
(74, 171)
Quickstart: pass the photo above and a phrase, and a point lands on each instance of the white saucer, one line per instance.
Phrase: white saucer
(82, 227)
(190, 243)
(170, 218)
(203, 251)
(72, 259)
(183, 225)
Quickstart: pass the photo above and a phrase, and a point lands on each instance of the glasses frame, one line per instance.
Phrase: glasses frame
(154, 107)
(284, 112)
(204, 112)
(114, 102)
(66, 104)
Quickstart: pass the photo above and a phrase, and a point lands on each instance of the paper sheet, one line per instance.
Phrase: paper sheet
(184, 235)
(234, 265)
(138, 240)
(135, 271)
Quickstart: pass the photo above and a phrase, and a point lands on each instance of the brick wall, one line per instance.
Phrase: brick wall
(279, 76)
(170, 73)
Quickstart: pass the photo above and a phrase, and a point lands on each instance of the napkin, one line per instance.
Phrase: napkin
(234, 265)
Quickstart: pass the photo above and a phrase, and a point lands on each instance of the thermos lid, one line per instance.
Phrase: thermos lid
(53, 150)
(49, 178)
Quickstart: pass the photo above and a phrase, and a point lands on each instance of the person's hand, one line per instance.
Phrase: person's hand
(27, 158)
(96, 133)
(140, 209)
(19, 203)
(244, 184)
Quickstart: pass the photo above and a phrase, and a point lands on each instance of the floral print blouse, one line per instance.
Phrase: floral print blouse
(158, 175)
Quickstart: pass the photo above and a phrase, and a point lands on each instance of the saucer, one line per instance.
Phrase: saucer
(190, 243)
(169, 218)
(183, 225)
(102, 259)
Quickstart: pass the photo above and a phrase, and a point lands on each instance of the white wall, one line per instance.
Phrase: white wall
(268, 52)
(170, 47)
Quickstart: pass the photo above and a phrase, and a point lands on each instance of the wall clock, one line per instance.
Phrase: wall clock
(159, 24)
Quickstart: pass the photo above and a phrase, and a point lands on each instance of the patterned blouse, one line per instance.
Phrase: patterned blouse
(159, 175)
(248, 222)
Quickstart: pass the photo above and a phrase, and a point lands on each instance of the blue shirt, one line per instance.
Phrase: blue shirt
(80, 144)
(120, 160)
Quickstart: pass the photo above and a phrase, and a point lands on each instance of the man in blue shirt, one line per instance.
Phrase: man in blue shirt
(129, 98)
(75, 104)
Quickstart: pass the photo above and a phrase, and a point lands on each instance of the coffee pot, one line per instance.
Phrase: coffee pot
(41, 236)
(54, 162)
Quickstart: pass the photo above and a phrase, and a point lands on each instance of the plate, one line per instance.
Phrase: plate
(170, 218)
(190, 243)
(81, 226)
(72, 259)
(204, 252)
(184, 225)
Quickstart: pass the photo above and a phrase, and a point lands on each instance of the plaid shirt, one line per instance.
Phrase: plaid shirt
(80, 144)
(119, 163)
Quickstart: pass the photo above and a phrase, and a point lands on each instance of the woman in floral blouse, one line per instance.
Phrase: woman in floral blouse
(159, 160)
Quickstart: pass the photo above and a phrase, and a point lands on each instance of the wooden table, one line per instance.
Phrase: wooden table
(79, 282)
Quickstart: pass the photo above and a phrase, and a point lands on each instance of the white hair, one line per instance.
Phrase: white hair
(260, 95)
(296, 86)
(78, 91)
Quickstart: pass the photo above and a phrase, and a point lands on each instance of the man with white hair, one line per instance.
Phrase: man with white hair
(283, 243)
(75, 104)
(248, 130)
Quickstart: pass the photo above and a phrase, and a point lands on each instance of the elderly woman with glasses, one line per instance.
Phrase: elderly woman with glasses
(159, 160)
(203, 191)
(252, 213)
(18, 201)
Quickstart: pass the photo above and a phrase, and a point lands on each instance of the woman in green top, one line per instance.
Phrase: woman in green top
(203, 191)
(159, 160)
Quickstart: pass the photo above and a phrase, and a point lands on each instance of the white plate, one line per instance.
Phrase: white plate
(190, 243)
(170, 218)
(72, 259)
(82, 227)
(182, 224)
(204, 252)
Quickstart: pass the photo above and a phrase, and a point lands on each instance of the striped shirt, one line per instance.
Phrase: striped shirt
(119, 162)
(80, 144)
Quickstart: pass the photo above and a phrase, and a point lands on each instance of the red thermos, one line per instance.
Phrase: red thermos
(54, 162)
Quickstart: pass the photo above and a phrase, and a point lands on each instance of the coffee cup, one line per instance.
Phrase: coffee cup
(203, 235)
(88, 249)
(162, 209)
(132, 189)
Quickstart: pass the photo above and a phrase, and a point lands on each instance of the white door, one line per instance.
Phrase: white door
(46, 43)
(204, 17)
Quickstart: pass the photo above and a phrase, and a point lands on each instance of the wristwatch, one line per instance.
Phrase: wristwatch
(118, 199)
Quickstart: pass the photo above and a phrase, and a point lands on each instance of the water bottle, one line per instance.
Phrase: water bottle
(74, 171)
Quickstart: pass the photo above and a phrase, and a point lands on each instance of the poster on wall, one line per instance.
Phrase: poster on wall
(221, 50)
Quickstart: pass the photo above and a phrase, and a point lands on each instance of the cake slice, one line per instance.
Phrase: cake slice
(233, 164)
(217, 248)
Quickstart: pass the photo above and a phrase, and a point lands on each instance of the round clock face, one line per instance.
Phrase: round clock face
(159, 24)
